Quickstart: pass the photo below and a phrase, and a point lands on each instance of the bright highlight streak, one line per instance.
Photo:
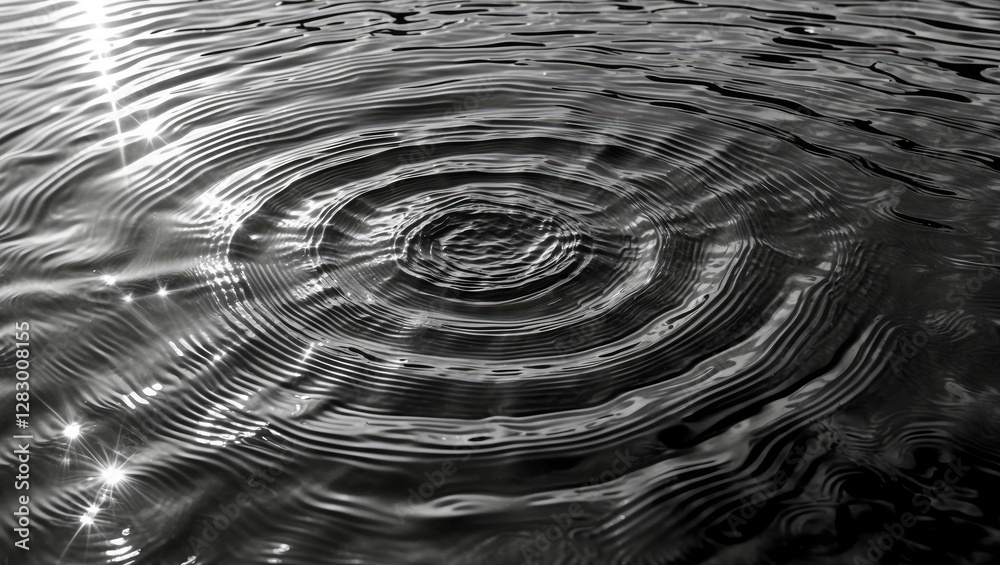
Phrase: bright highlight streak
(72, 431)
(162, 292)
(88, 518)
(112, 475)
(147, 129)
(100, 39)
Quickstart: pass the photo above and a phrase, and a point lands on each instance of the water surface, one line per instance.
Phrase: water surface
(578, 282)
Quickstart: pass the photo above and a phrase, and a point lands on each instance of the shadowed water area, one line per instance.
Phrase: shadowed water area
(491, 283)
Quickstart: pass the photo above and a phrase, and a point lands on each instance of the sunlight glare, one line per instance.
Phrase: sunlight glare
(112, 475)
(72, 431)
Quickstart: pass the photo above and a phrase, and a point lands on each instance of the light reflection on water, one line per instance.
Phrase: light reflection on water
(548, 282)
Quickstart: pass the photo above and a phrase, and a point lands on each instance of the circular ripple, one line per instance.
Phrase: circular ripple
(549, 291)
(614, 270)
(506, 261)
(486, 247)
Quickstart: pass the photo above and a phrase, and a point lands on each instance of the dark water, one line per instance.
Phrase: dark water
(495, 283)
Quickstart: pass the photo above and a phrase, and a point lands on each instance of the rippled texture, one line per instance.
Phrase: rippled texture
(494, 283)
